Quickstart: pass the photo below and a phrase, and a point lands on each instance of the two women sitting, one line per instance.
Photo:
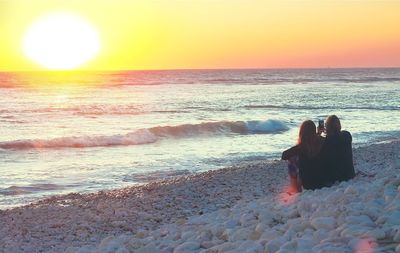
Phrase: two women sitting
(317, 161)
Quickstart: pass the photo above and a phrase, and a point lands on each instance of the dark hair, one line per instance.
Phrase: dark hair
(332, 125)
(308, 140)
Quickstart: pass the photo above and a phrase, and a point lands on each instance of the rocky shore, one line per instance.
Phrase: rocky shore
(53, 224)
(239, 209)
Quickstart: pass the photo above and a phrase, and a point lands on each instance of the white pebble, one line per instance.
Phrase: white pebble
(187, 247)
(323, 223)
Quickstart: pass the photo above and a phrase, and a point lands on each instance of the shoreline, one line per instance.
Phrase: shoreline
(127, 210)
(84, 220)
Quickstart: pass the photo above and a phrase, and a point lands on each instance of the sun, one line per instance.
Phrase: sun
(61, 41)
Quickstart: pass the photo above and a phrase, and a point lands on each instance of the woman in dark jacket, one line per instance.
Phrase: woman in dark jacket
(310, 158)
(338, 150)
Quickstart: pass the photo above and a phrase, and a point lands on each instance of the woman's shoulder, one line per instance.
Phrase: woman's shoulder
(346, 136)
(293, 151)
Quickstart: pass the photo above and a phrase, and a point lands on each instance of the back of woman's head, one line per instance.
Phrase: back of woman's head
(307, 131)
(308, 138)
(332, 125)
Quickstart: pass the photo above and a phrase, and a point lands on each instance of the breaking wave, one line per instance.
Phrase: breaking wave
(151, 135)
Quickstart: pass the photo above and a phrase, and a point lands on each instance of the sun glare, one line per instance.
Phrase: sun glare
(61, 41)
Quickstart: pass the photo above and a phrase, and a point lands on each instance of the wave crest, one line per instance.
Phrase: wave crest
(151, 135)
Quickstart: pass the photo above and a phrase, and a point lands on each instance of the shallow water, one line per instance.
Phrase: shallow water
(100, 130)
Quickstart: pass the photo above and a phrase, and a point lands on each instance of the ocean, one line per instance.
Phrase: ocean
(90, 131)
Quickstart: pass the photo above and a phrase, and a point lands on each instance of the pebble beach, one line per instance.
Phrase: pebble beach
(244, 208)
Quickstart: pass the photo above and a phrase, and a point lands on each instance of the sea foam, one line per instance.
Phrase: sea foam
(151, 135)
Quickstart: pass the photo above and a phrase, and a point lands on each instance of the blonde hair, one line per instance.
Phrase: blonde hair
(332, 125)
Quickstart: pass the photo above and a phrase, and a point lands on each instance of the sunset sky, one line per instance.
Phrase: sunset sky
(187, 34)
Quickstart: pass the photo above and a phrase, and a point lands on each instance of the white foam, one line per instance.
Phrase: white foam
(151, 135)
(267, 126)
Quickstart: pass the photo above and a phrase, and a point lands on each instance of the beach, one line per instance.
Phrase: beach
(97, 131)
(243, 208)
(191, 126)
(131, 161)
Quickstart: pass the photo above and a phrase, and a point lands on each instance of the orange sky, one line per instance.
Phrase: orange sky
(186, 34)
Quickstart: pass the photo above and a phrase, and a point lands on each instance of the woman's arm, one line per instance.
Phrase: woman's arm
(293, 151)
(348, 155)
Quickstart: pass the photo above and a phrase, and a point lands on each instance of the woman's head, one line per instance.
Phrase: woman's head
(308, 138)
(332, 125)
(307, 131)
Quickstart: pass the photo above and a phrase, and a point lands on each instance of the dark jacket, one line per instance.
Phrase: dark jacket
(338, 157)
(311, 169)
